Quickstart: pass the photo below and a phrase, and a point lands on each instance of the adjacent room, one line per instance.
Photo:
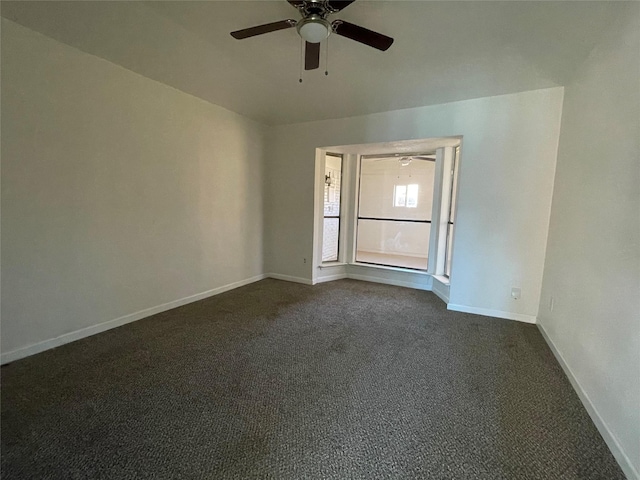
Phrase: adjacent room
(320, 239)
(394, 211)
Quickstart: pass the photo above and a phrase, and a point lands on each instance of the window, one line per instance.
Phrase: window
(394, 211)
(400, 195)
(405, 195)
(332, 205)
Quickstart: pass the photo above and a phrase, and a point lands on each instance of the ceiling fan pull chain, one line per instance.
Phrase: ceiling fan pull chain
(301, 58)
(326, 61)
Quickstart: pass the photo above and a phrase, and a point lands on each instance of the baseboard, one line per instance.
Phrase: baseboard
(441, 295)
(331, 278)
(389, 281)
(22, 352)
(608, 436)
(492, 313)
(440, 288)
(289, 278)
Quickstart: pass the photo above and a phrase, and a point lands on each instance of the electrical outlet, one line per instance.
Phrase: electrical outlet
(304, 260)
(515, 293)
(551, 300)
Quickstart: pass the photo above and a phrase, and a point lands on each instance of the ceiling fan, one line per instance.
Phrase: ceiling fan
(404, 158)
(314, 27)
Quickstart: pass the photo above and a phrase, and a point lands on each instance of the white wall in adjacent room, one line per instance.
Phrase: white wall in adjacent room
(505, 186)
(393, 238)
(592, 268)
(119, 193)
(378, 179)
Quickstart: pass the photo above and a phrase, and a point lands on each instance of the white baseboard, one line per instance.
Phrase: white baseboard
(330, 278)
(608, 436)
(441, 287)
(441, 295)
(289, 278)
(390, 281)
(22, 352)
(492, 313)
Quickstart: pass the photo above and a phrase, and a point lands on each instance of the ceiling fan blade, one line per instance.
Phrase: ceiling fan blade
(337, 5)
(260, 29)
(311, 56)
(296, 3)
(362, 35)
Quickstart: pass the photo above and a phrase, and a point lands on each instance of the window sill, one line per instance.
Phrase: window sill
(393, 269)
(331, 264)
(442, 279)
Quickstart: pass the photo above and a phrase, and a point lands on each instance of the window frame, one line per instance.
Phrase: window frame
(340, 215)
(451, 217)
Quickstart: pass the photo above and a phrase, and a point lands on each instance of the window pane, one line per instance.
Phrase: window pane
(332, 193)
(412, 196)
(399, 244)
(390, 190)
(394, 212)
(400, 195)
(330, 239)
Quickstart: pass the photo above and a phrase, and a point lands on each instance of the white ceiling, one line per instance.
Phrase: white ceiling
(443, 51)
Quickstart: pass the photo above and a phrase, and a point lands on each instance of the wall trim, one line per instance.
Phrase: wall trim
(440, 288)
(389, 281)
(32, 349)
(520, 317)
(330, 278)
(289, 278)
(441, 295)
(608, 436)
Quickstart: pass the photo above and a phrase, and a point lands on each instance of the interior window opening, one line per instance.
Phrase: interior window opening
(394, 210)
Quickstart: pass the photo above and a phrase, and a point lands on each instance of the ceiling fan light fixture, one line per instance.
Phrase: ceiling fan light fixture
(314, 28)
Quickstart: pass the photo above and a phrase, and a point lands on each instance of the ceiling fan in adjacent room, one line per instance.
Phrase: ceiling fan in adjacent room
(314, 27)
(404, 159)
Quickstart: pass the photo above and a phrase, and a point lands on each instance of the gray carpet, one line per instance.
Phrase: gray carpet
(344, 380)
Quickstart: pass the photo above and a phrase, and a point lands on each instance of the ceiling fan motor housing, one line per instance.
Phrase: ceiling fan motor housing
(313, 28)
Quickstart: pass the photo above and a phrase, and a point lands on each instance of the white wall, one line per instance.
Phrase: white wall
(119, 194)
(506, 180)
(592, 268)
